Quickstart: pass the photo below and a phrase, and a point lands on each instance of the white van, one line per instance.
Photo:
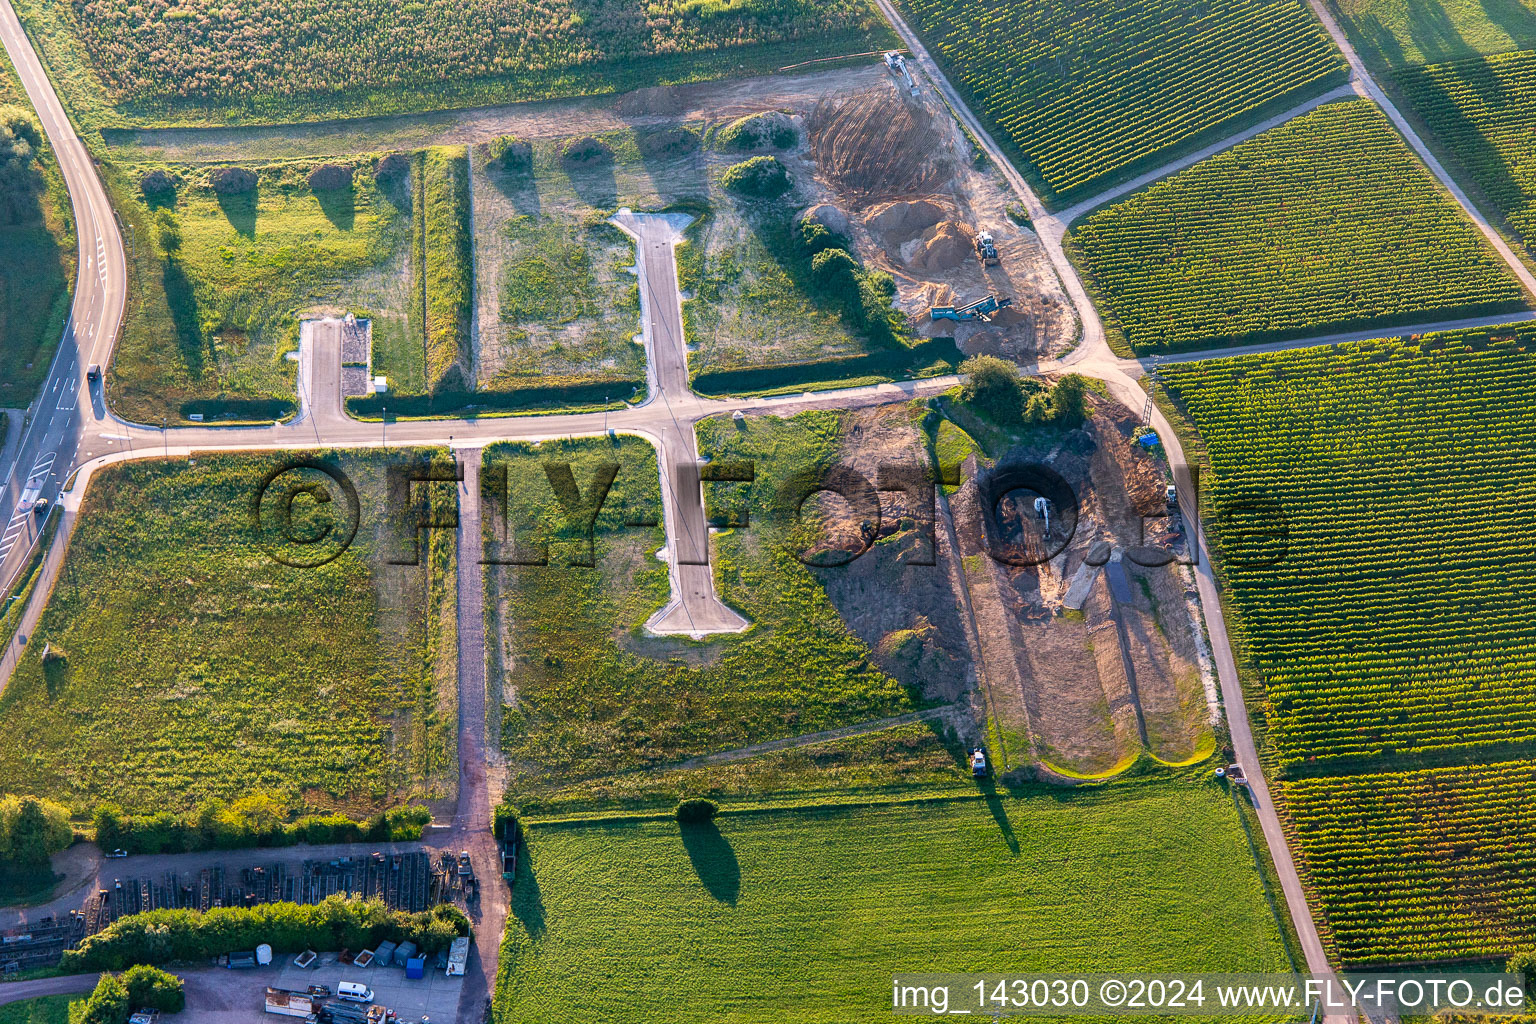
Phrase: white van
(354, 992)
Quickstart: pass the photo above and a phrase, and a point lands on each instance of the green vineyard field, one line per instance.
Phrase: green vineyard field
(1484, 113)
(1395, 619)
(1086, 90)
(1321, 225)
(1423, 865)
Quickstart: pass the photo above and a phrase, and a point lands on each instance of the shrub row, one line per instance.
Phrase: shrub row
(929, 357)
(178, 936)
(255, 821)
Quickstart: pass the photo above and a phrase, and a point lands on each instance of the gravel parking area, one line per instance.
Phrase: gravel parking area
(216, 995)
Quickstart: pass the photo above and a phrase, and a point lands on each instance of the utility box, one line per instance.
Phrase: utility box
(416, 968)
(404, 952)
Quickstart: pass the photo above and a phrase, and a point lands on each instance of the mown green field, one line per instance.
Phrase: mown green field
(37, 268)
(1368, 507)
(1321, 225)
(253, 63)
(1401, 33)
(1087, 92)
(805, 915)
(47, 1010)
(1484, 113)
(219, 283)
(589, 694)
(185, 663)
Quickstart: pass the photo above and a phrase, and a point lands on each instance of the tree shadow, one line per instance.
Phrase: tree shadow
(240, 210)
(988, 787)
(595, 184)
(527, 900)
(1514, 18)
(713, 861)
(182, 299)
(339, 206)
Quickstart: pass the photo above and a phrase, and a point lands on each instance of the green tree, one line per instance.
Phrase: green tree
(151, 987)
(993, 386)
(29, 835)
(19, 177)
(109, 827)
(109, 1004)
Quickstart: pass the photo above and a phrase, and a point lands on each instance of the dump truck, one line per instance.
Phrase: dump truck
(458, 957)
(290, 1004)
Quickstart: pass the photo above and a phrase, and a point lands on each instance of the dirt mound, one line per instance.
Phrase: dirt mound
(585, 152)
(669, 142)
(876, 146)
(1010, 317)
(931, 293)
(945, 246)
(829, 217)
(658, 99)
(899, 221)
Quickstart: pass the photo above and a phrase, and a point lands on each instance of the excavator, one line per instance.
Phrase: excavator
(898, 66)
(982, 310)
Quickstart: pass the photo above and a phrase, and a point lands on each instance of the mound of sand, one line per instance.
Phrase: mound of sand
(945, 246)
(1010, 317)
(658, 99)
(876, 146)
(896, 222)
(931, 293)
(983, 343)
(829, 217)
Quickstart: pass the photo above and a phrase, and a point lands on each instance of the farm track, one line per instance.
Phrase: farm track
(72, 426)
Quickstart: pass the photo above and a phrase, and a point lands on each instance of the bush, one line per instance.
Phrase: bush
(108, 1004)
(584, 151)
(815, 237)
(993, 387)
(32, 830)
(168, 936)
(19, 177)
(445, 199)
(761, 176)
(696, 811)
(151, 988)
(330, 178)
(835, 273)
(392, 168)
(158, 188)
(169, 233)
(758, 131)
(510, 153)
(1523, 962)
(231, 181)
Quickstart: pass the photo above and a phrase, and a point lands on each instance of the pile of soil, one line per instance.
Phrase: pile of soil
(877, 146)
(658, 99)
(585, 152)
(945, 246)
(896, 222)
(669, 142)
(931, 293)
(829, 217)
(984, 343)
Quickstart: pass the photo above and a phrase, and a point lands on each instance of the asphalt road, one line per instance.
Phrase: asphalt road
(68, 985)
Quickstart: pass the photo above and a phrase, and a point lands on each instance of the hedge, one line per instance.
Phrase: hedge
(172, 936)
(897, 362)
(445, 211)
(219, 827)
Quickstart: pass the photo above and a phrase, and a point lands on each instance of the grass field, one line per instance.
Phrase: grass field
(1323, 224)
(1368, 506)
(254, 63)
(37, 270)
(1088, 92)
(1402, 33)
(47, 1010)
(589, 694)
(1484, 113)
(805, 915)
(211, 320)
(196, 666)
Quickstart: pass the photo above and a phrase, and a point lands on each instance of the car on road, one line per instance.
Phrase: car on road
(93, 372)
(116, 854)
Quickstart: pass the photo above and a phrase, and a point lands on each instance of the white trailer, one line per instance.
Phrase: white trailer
(458, 957)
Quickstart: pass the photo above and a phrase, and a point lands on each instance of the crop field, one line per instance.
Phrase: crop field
(37, 268)
(185, 663)
(1323, 224)
(1401, 33)
(211, 318)
(805, 912)
(251, 62)
(1422, 865)
(1392, 622)
(1087, 92)
(589, 694)
(1484, 113)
